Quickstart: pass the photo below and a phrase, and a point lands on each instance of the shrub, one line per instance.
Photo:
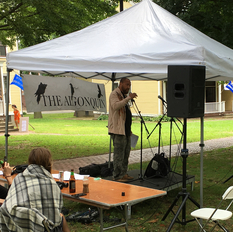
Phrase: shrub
(165, 118)
(156, 119)
(103, 117)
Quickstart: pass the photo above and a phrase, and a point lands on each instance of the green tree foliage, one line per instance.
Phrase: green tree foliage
(212, 17)
(35, 21)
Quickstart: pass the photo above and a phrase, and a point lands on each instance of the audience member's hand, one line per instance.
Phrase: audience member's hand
(7, 169)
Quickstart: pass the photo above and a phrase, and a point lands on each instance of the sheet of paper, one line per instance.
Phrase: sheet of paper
(56, 176)
(1, 173)
(24, 125)
(79, 177)
(67, 176)
(134, 140)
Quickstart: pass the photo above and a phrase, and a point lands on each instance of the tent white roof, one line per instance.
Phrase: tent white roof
(142, 40)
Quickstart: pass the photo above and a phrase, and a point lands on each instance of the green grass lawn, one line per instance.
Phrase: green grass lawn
(69, 137)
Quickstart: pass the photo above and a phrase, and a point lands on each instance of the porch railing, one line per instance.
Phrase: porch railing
(1, 107)
(210, 107)
(214, 107)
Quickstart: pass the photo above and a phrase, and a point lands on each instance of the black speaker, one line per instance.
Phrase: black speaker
(185, 91)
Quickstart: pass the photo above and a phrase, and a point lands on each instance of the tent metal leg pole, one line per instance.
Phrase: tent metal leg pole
(201, 164)
(7, 114)
(110, 142)
(121, 5)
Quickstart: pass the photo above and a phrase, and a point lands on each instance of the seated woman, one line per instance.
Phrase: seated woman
(34, 199)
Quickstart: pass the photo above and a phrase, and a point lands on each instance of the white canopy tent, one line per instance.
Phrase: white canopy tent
(142, 40)
(138, 43)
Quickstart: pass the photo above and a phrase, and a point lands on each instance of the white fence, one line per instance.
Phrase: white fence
(214, 107)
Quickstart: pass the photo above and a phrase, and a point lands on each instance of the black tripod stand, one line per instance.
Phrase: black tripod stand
(184, 194)
(228, 179)
(160, 127)
(159, 123)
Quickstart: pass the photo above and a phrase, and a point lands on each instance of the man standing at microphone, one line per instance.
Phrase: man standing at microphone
(119, 127)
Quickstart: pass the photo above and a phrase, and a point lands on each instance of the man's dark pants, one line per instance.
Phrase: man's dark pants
(122, 147)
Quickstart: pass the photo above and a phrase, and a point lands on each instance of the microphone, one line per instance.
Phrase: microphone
(162, 99)
(132, 100)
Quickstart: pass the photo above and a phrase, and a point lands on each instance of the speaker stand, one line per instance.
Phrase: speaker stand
(184, 194)
(228, 179)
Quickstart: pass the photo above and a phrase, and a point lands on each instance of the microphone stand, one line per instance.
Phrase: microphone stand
(142, 123)
(159, 124)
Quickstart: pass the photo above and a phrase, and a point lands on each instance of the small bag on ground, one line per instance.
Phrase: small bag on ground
(95, 170)
(158, 167)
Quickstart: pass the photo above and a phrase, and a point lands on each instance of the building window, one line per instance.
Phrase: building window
(210, 91)
(115, 85)
(2, 50)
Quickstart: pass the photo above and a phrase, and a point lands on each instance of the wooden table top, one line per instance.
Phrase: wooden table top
(109, 193)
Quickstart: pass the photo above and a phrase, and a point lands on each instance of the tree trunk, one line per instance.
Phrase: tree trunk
(38, 115)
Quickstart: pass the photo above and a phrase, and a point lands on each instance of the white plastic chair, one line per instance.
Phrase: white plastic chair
(215, 214)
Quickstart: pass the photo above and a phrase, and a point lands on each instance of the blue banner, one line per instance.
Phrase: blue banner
(230, 86)
(17, 81)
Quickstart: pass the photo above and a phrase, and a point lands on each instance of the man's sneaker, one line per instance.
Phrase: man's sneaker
(122, 179)
(127, 177)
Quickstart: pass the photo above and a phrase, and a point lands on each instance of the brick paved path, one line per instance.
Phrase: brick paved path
(147, 154)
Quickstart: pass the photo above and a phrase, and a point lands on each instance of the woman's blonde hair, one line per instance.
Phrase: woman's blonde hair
(41, 156)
